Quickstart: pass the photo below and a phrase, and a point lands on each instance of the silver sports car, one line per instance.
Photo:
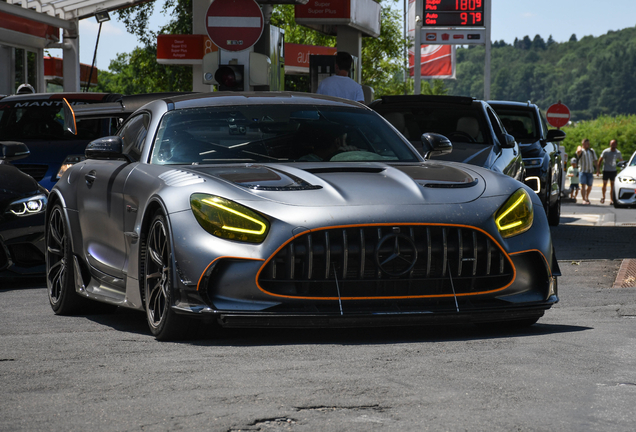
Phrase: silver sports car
(291, 209)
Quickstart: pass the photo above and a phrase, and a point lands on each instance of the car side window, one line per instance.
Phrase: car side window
(544, 127)
(133, 134)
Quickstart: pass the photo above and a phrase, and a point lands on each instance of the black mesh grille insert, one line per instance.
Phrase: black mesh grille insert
(388, 261)
(36, 171)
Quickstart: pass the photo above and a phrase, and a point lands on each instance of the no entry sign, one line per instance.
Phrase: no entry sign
(234, 25)
(558, 115)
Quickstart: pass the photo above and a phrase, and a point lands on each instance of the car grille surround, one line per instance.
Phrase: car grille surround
(389, 261)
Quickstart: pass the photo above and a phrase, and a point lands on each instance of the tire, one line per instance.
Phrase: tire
(554, 210)
(163, 322)
(60, 277)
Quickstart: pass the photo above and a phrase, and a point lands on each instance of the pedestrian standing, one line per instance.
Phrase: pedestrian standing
(587, 159)
(608, 158)
(573, 175)
(339, 84)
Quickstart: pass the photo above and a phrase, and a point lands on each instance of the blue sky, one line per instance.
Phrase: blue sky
(510, 19)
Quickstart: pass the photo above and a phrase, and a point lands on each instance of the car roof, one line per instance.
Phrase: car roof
(76, 96)
(404, 99)
(257, 98)
(511, 104)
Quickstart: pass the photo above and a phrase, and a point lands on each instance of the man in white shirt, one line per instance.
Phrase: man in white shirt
(339, 84)
(587, 165)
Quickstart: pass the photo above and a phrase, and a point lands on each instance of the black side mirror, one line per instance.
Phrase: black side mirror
(13, 150)
(105, 148)
(556, 135)
(621, 164)
(508, 141)
(435, 145)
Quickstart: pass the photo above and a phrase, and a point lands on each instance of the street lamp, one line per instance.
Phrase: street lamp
(101, 16)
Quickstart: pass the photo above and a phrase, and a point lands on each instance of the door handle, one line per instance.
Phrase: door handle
(90, 178)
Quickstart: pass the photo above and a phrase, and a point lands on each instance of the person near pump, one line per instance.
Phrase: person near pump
(573, 175)
(608, 158)
(587, 165)
(339, 84)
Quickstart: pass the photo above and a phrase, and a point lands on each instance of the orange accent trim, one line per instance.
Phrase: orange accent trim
(547, 264)
(223, 257)
(514, 270)
(73, 113)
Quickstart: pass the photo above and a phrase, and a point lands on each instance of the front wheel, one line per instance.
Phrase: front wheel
(164, 323)
(59, 265)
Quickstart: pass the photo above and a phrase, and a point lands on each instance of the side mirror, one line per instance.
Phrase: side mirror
(508, 141)
(556, 135)
(105, 148)
(435, 145)
(621, 164)
(12, 150)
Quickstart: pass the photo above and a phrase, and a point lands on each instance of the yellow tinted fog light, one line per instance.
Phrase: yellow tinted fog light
(227, 219)
(516, 215)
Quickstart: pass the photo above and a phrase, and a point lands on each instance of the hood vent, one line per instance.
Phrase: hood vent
(179, 178)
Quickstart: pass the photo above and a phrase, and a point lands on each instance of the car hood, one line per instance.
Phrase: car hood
(474, 154)
(14, 184)
(629, 171)
(353, 184)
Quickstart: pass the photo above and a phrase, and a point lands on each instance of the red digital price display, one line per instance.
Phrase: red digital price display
(453, 13)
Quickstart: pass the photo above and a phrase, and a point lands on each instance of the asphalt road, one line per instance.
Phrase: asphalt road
(573, 371)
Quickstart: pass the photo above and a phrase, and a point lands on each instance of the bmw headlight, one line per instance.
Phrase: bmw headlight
(227, 219)
(69, 162)
(626, 180)
(29, 206)
(516, 215)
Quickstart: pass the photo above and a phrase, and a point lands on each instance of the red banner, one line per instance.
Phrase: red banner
(438, 61)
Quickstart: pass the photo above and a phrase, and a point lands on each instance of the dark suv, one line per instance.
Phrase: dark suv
(540, 150)
(473, 127)
(37, 120)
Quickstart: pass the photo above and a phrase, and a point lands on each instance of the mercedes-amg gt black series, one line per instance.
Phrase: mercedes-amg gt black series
(540, 151)
(291, 209)
(22, 207)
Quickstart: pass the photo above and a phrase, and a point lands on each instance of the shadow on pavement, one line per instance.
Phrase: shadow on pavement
(578, 242)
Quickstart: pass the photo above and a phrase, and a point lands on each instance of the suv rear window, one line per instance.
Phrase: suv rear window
(457, 122)
(44, 120)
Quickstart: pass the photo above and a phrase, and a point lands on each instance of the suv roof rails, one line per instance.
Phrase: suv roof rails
(463, 100)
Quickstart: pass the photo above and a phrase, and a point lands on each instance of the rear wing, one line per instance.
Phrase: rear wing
(121, 109)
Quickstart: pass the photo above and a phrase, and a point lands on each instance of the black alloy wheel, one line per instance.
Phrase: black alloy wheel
(164, 323)
(59, 265)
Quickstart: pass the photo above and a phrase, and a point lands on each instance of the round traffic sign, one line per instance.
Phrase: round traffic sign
(234, 25)
(558, 115)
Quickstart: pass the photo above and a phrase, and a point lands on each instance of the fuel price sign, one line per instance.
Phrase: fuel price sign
(453, 13)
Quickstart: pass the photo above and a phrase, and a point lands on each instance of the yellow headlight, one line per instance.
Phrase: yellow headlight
(227, 219)
(516, 215)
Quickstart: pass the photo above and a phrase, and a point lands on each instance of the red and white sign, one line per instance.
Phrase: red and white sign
(297, 56)
(234, 25)
(183, 49)
(437, 61)
(558, 115)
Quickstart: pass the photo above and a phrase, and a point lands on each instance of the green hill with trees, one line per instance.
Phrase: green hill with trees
(593, 76)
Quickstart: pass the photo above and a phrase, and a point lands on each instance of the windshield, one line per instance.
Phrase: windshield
(44, 120)
(519, 124)
(276, 133)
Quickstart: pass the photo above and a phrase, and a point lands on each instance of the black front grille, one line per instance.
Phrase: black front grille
(36, 171)
(26, 255)
(387, 262)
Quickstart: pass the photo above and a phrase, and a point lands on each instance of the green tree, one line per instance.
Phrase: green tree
(138, 71)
